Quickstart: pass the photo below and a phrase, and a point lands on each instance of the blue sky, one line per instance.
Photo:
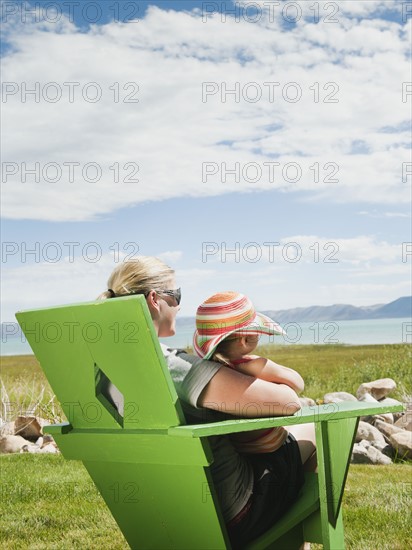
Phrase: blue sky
(347, 215)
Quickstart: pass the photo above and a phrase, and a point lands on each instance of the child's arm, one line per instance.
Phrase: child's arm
(265, 369)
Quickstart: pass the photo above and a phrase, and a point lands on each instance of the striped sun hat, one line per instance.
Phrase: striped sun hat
(224, 314)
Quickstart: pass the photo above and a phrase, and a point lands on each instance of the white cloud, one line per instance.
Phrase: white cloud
(171, 256)
(323, 9)
(309, 249)
(377, 214)
(358, 250)
(73, 278)
(325, 270)
(164, 140)
(303, 270)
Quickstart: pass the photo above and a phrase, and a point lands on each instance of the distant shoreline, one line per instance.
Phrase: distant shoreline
(321, 333)
(270, 345)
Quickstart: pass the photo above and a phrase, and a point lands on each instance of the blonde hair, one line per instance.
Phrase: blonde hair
(138, 276)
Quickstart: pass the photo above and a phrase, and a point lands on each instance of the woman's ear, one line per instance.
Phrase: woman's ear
(152, 303)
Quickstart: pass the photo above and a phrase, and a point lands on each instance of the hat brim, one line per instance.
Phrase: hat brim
(261, 324)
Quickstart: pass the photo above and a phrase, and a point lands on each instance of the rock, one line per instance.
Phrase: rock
(49, 448)
(47, 444)
(307, 402)
(338, 397)
(405, 422)
(377, 389)
(370, 433)
(359, 455)
(389, 401)
(12, 443)
(366, 397)
(29, 427)
(397, 416)
(30, 448)
(402, 442)
(385, 417)
(389, 451)
(365, 453)
(47, 438)
(7, 428)
(386, 429)
(377, 457)
(369, 419)
(389, 417)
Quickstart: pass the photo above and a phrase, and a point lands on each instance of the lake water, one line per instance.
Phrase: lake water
(363, 332)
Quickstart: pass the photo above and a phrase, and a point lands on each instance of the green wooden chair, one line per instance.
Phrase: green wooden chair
(151, 468)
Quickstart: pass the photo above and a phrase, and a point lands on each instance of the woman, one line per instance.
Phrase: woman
(254, 490)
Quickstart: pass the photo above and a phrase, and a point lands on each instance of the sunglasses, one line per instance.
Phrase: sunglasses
(176, 294)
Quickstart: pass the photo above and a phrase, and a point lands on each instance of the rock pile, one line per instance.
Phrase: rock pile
(25, 435)
(382, 437)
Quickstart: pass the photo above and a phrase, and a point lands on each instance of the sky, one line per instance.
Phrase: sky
(263, 147)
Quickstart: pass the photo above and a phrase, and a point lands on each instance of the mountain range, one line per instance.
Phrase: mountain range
(402, 307)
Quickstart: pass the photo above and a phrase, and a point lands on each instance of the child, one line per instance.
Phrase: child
(227, 331)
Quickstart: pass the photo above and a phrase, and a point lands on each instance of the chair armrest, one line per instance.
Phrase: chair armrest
(58, 429)
(318, 413)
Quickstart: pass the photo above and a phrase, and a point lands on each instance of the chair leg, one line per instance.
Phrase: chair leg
(320, 530)
(333, 537)
(334, 442)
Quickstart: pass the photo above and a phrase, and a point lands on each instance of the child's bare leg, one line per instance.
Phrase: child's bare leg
(305, 436)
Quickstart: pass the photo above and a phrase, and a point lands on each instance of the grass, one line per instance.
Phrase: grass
(325, 368)
(378, 507)
(25, 390)
(331, 368)
(49, 503)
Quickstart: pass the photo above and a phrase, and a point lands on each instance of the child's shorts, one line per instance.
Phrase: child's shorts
(278, 478)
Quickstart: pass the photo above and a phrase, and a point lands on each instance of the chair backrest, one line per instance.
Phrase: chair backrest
(105, 365)
(107, 354)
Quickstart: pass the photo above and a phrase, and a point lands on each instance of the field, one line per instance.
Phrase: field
(50, 503)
